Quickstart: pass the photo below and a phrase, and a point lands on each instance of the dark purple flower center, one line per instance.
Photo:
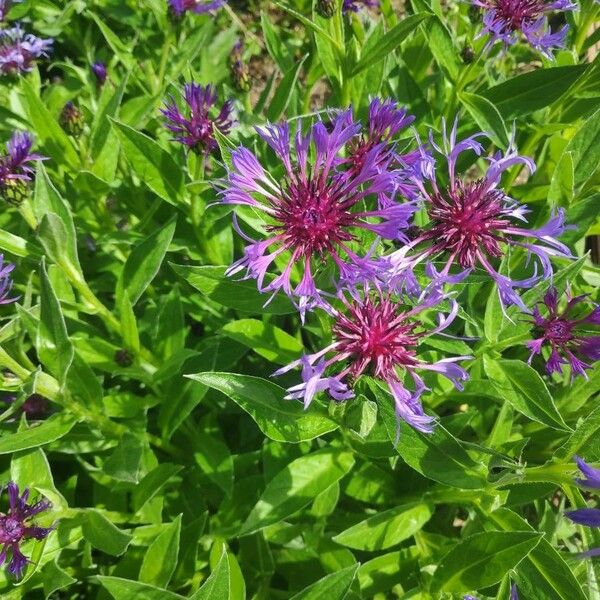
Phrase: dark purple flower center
(11, 529)
(376, 333)
(559, 331)
(312, 220)
(515, 12)
(465, 220)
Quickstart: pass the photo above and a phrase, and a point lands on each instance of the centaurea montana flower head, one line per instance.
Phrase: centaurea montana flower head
(473, 223)
(569, 338)
(375, 335)
(503, 20)
(6, 281)
(18, 50)
(180, 7)
(356, 5)
(194, 126)
(14, 165)
(316, 210)
(15, 528)
(100, 72)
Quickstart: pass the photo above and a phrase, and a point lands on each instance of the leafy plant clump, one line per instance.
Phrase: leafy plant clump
(298, 300)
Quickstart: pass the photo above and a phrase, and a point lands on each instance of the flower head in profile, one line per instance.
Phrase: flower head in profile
(568, 337)
(193, 126)
(508, 20)
(19, 50)
(16, 527)
(15, 167)
(316, 210)
(473, 223)
(356, 5)
(180, 7)
(375, 335)
(6, 281)
(100, 72)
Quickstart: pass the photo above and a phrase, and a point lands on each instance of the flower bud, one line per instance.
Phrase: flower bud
(326, 8)
(71, 119)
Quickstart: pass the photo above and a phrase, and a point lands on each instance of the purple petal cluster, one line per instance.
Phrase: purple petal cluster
(100, 72)
(506, 21)
(180, 7)
(569, 338)
(19, 50)
(336, 186)
(473, 223)
(193, 126)
(15, 164)
(374, 334)
(356, 5)
(6, 281)
(15, 528)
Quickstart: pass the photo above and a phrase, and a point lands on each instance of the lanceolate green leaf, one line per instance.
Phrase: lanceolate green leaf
(334, 586)
(284, 91)
(38, 435)
(279, 419)
(217, 584)
(126, 589)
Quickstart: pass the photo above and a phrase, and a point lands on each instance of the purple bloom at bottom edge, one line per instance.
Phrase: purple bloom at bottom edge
(16, 528)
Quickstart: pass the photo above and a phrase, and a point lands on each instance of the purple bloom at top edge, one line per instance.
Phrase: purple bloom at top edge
(312, 209)
(356, 5)
(504, 20)
(180, 7)
(100, 72)
(568, 337)
(375, 334)
(15, 527)
(193, 125)
(473, 222)
(18, 50)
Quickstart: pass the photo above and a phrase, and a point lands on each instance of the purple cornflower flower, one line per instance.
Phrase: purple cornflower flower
(6, 281)
(567, 337)
(18, 50)
(100, 72)
(14, 167)
(472, 223)
(371, 331)
(14, 529)
(504, 19)
(180, 7)
(195, 130)
(314, 209)
(356, 5)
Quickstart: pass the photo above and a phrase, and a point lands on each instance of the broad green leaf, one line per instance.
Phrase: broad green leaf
(215, 460)
(144, 262)
(584, 148)
(387, 528)
(18, 246)
(383, 572)
(161, 557)
(585, 440)
(583, 213)
(562, 185)
(54, 578)
(153, 483)
(53, 346)
(487, 116)
(482, 560)
(53, 139)
(531, 91)
(307, 22)
(153, 165)
(297, 485)
(390, 41)
(122, 50)
(265, 339)
(217, 585)
(50, 430)
(279, 419)
(334, 586)
(543, 573)
(522, 386)
(327, 51)
(124, 463)
(126, 589)
(283, 93)
(231, 292)
(274, 44)
(438, 455)
(102, 534)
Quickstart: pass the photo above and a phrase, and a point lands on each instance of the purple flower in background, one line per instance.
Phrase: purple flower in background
(473, 223)
(504, 19)
(14, 165)
(18, 50)
(314, 209)
(14, 528)
(567, 337)
(100, 72)
(180, 7)
(373, 333)
(6, 281)
(356, 5)
(194, 129)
